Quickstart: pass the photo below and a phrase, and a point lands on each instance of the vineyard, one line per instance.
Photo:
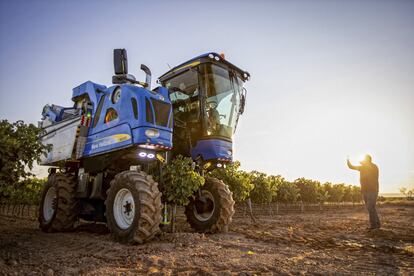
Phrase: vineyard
(331, 241)
(279, 226)
(242, 210)
(20, 150)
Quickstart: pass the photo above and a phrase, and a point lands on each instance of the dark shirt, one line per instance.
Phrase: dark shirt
(368, 176)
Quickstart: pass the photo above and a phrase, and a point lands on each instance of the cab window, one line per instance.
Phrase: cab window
(111, 115)
(98, 111)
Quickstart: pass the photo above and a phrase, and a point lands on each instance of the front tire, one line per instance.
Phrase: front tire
(57, 210)
(133, 207)
(214, 211)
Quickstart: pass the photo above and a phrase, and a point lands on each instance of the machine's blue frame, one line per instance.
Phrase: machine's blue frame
(126, 130)
(213, 149)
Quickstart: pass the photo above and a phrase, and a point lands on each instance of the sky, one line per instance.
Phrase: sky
(329, 79)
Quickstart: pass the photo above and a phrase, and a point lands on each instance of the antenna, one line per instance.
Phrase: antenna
(168, 65)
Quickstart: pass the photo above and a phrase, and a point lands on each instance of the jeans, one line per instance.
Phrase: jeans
(370, 199)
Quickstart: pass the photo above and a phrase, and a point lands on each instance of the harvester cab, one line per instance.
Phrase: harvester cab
(208, 97)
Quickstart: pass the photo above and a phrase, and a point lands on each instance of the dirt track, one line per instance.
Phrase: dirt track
(315, 243)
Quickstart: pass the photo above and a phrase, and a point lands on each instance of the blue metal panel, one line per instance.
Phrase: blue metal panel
(212, 149)
(165, 138)
(124, 108)
(91, 89)
(126, 130)
(163, 91)
(116, 137)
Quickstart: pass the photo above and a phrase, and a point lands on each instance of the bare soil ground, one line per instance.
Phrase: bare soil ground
(328, 242)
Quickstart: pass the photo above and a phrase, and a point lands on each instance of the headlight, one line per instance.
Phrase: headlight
(152, 133)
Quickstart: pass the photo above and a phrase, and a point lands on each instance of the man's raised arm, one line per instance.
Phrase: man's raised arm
(352, 167)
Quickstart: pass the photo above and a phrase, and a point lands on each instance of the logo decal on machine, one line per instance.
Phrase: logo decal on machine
(109, 140)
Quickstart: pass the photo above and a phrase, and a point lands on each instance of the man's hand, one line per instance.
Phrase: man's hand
(352, 167)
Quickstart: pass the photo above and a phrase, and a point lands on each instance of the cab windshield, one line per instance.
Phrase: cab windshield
(206, 100)
(222, 90)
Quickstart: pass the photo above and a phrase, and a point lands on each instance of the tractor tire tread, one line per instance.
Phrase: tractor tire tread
(226, 204)
(65, 213)
(150, 206)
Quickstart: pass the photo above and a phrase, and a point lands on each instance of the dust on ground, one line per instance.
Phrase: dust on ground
(326, 242)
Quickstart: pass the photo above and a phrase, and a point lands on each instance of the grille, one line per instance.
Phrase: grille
(148, 112)
(162, 112)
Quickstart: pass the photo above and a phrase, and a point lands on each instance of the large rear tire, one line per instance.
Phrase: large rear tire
(57, 210)
(212, 212)
(133, 207)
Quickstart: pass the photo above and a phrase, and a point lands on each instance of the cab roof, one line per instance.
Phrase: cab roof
(207, 57)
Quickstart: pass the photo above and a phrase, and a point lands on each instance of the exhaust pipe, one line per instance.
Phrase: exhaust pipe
(147, 76)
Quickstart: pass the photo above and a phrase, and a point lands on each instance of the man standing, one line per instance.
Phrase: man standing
(369, 187)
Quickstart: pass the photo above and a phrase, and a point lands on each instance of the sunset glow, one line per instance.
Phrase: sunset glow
(330, 79)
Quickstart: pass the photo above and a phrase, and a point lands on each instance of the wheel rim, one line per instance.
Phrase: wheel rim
(124, 208)
(49, 204)
(204, 209)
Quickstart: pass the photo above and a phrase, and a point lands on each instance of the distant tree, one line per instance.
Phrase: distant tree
(25, 192)
(381, 199)
(287, 192)
(327, 190)
(347, 194)
(239, 182)
(356, 194)
(336, 192)
(20, 148)
(323, 195)
(263, 191)
(275, 181)
(408, 193)
(309, 190)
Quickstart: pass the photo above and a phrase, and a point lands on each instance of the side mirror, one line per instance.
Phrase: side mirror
(120, 62)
